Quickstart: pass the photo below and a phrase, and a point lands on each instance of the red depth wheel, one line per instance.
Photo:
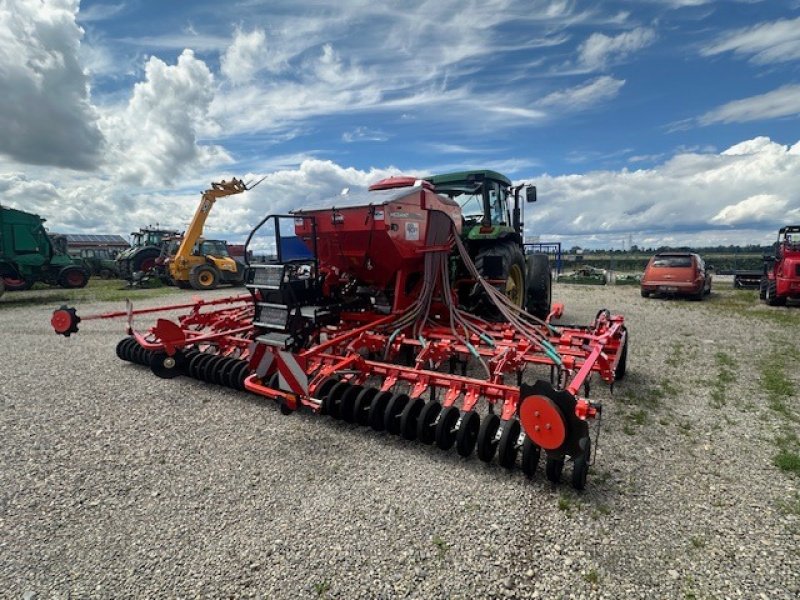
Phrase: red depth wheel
(543, 422)
(65, 321)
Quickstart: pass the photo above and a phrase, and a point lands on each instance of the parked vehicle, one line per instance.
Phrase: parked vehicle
(676, 274)
(100, 261)
(28, 254)
(781, 279)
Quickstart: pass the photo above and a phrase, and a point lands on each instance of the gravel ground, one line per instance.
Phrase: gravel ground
(114, 483)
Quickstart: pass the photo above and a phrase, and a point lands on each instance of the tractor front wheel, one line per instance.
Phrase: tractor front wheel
(204, 277)
(772, 297)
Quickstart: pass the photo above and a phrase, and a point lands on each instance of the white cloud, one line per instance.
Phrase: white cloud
(599, 49)
(364, 134)
(782, 102)
(46, 117)
(155, 137)
(696, 197)
(583, 96)
(246, 56)
(765, 43)
(754, 209)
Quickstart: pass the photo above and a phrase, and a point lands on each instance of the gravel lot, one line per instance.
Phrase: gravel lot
(114, 483)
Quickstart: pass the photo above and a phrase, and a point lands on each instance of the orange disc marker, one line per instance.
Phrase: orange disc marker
(543, 422)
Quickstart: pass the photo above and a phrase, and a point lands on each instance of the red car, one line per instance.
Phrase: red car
(676, 274)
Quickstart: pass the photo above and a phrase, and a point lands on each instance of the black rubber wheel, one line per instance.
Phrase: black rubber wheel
(208, 367)
(530, 457)
(507, 446)
(772, 297)
(538, 285)
(622, 365)
(73, 277)
(194, 364)
(467, 435)
(362, 405)
(348, 402)
(377, 410)
(644, 293)
(409, 417)
(274, 381)
(445, 427)
(188, 355)
(165, 366)
(225, 378)
(204, 277)
(239, 374)
(394, 409)
(762, 288)
(323, 390)
(553, 468)
(218, 374)
(486, 445)
(121, 348)
(333, 399)
(426, 432)
(12, 284)
(140, 354)
(580, 466)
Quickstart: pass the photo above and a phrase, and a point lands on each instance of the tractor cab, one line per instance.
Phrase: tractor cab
(490, 203)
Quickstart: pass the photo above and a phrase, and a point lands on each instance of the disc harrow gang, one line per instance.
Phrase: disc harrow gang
(367, 328)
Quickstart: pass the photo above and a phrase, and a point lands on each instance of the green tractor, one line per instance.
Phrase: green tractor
(100, 261)
(141, 258)
(28, 254)
(493, 233)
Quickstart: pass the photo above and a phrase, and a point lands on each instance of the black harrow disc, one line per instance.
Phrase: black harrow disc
(446, 427)
(347, 403)
(487, 445)
(218, 374)
(409, 417)
(239, 374)
(362, 405)
(208, 367)
(377, 410)
(165, 366)
(467, 435)
(188, 355)
(507, 446)
(122, 348)
(229, 379)
(426, 428)
(394, 409)
(194, 363)
(333, 399)
(225, 373)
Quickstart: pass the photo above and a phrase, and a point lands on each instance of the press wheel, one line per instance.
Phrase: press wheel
(425, 430)
(363, 404)
(580, 466)
(553, 468)
(377, 410)
(507, 446)
(348, 402)
(409, 418)
(332, 400)
(467, 435)
(446, 427)
(487, 445)
(394, 408)
(530, 457)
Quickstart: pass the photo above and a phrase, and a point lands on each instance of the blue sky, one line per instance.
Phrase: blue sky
(673, 121)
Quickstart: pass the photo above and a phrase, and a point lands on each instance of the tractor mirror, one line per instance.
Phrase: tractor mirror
(530, 193)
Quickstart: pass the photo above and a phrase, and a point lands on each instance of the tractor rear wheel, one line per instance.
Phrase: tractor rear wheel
(73, 277)
(538, 286)
(145, 260)
(502, 260)
(204, 277)
(14, 284)
(772, 297)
